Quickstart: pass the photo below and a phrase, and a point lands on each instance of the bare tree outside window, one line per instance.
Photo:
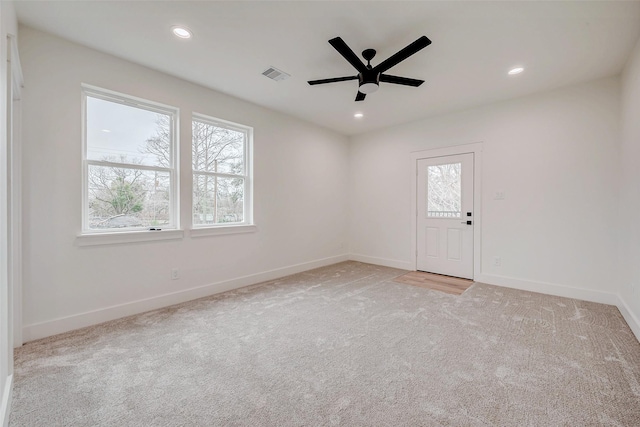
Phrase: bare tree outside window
(159, 145)
(219, 173)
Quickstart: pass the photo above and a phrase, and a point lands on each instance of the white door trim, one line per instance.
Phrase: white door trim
(14, 144)
(476, 149)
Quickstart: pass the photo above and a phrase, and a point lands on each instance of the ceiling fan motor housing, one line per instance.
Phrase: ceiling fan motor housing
(369, 81)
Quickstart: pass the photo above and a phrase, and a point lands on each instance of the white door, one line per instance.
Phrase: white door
(445, 215)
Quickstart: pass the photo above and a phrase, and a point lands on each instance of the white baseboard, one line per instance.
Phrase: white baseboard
(393, 263)
(632, 320)
(549, 289)
(5, 407)
(81, 320)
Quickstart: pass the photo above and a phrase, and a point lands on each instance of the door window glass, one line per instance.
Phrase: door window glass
(444, 195)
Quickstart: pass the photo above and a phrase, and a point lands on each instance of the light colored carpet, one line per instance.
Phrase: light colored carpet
(340, 345)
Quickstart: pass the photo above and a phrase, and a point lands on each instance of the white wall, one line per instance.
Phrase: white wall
(630, 187)
(8, 25)
(556, 157)
(300, 201)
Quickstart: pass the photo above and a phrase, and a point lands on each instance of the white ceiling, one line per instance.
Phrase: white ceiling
(474, 45)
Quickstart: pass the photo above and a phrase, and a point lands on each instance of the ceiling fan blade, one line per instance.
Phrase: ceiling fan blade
(403, 54)
(347, 53)
(400, 80)
(360, 96)
(336, 79)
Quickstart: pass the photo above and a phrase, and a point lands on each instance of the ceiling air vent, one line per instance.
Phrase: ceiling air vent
(274, 74)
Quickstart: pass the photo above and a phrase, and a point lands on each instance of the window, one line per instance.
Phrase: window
(130, 167)
(221, 159)
(444, 191)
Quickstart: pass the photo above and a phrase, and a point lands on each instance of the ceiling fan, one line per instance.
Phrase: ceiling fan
(370, 77)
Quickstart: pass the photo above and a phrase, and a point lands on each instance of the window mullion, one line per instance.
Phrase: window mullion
(127, 166)
(219, 174)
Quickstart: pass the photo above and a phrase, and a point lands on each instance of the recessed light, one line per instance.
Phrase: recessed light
(106, 131)
(516, 70)
(358, 115)
(181, 32)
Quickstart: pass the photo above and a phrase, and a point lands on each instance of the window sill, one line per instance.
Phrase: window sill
(127, 237)
(216, 231)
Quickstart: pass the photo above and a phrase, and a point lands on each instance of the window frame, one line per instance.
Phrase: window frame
(173, 170)
(247, 224)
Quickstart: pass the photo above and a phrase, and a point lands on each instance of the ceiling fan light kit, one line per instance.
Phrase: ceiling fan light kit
(369, 77)
(368, 87)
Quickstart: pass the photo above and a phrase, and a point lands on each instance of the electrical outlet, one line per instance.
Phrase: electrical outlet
(497, 261)
(175, 274)
(499, 195)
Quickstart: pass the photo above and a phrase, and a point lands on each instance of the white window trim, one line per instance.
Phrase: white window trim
(221, 230)
(247, 225)
(109, 236)
(127, 237)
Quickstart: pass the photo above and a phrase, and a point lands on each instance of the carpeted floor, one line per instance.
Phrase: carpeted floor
(341, 345)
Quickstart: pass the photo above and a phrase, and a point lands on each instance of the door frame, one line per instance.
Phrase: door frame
(15, 83)
(476, 150)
